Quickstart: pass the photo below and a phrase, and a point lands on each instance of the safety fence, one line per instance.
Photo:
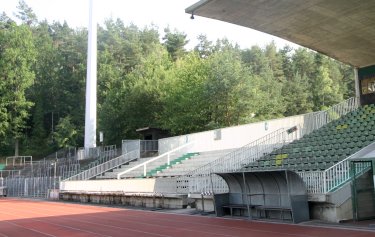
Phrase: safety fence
(18, 161)
(32, 187)
(146, 148)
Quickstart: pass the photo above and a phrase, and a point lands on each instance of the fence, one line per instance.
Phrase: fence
(201, 180)
(18, 160)
(68, 152)
(316, 120)
(145, 147)
(36, 187)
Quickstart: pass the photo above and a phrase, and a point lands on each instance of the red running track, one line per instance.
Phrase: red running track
(23, 218)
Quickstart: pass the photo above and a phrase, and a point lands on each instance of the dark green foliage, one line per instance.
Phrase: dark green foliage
(144, 81)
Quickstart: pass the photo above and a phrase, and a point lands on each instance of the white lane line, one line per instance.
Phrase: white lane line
(111, 226)
(3, 235)
(137, 222)
(37, 231)
(68, 227)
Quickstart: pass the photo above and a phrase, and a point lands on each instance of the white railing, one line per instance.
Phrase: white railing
(321, 182)
(143, 145)
(106, 166)
(18, 160)
(316, 120)
(162, 159)
(130, 145)
(9, 173)
(201, 180)
(314, 181)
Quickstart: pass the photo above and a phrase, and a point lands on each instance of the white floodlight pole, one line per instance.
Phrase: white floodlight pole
(91, 82)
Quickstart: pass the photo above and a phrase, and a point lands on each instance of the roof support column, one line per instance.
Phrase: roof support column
(356, 81)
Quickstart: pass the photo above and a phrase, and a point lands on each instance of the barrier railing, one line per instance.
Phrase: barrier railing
(9, 173)
(33, 187)
(162, 159)
(201, 180)
(18, 160)
(321, 182)
(106, 166)
(316, 120)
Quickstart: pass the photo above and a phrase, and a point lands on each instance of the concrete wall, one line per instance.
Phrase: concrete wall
(136, 200)
(231, 137)
(331, 212)
(159, 185)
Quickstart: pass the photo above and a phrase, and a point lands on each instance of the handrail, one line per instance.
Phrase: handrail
(144, 164)
(316, 120)
(106, 166)
(339, 173)
(321, 182)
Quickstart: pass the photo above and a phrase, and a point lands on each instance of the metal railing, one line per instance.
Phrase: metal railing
(149, 145)
(67, 152)
(162, 159)
(33, 187)
(314, 121)
(321, 182)
(18, 160)
(130, 145)
(106, 166)
(9, 173)
(314, 181)
(145, 146)
(201, 180)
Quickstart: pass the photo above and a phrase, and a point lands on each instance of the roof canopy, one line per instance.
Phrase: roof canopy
(341, 29)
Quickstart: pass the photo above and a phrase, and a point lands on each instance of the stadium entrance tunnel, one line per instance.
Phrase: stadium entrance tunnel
(277, 194)
(363, 188)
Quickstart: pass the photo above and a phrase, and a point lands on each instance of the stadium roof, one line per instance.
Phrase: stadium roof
(341, 29)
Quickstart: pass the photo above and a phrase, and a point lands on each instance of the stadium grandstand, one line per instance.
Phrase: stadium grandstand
(311, 166)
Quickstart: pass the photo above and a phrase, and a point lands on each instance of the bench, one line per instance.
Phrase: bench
(240, 207)
(266, 209)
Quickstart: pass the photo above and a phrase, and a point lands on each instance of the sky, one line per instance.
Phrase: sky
(162, 13)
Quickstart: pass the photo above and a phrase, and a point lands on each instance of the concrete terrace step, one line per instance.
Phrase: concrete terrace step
(180, 168)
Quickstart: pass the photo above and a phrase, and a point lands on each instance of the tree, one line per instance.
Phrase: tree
(228, 90)
(185, 106)
(297, 95)
(175, 43)
(136, 101)
(275, 61)
(66, 133)
(26, 14)
(325, 91)
(17, 54)
(204, 47)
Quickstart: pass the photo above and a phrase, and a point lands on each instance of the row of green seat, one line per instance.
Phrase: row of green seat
(326, 146)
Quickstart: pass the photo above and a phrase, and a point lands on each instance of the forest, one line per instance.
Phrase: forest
(147, 79)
